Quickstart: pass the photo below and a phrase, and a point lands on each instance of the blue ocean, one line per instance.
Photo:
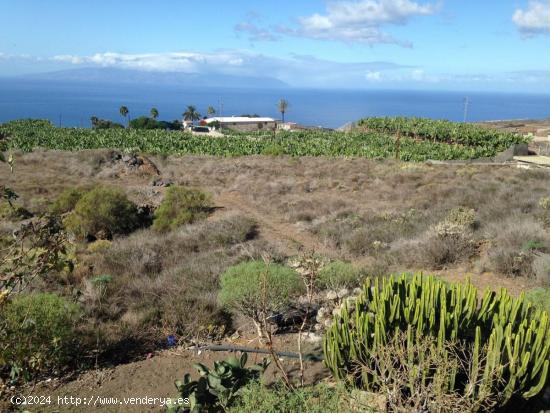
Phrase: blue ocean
(72, 104)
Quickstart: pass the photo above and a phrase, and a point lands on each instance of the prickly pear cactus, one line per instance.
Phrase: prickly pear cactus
(507, 336)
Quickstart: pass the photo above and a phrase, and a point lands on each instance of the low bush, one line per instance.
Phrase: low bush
(540, 297)
(541, 268)
(181, 206)
(377, 232)
(257, 289)
(157, 291)
(449, 241)
(66, 201)
(102, 213)
(463, 217)
(37, 334)
(515, 244)
(337, 275)
(442, 247)
(544, 205)
(13, 212)
(100, 245)
(336, 230)
(320, 398)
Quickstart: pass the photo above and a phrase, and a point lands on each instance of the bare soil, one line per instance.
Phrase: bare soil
(154, 377)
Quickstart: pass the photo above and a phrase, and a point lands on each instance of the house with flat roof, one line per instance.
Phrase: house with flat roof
(243, 123)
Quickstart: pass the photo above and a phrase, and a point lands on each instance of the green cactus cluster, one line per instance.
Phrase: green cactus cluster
(508, 338)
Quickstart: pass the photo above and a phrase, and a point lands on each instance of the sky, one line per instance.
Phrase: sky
(497, 45)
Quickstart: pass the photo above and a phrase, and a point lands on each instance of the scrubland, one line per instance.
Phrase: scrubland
(140, 269)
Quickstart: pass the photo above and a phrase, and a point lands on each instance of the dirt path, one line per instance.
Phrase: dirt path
(287, 237)
(291, 241)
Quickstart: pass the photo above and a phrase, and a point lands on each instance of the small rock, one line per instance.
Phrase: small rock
(312, 338)
(162, 182)
(332, 295)
(344, 292)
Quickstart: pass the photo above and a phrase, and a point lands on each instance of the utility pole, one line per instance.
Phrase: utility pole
(220, 107)
(466, 104)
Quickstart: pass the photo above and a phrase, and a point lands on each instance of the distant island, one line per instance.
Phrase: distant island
(127, 76)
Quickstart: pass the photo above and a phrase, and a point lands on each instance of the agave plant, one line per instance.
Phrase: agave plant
(216, 388)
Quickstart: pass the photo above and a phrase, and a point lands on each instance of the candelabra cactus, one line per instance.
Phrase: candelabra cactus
(508, 340)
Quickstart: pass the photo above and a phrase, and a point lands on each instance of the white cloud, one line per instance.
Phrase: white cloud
(360, 21)
(176, 61)
(255, 33)
(296, 70)
(373, 76)
(418, 74)
(533, 20)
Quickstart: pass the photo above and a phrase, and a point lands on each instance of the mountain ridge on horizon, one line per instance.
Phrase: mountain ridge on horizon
(131, 76)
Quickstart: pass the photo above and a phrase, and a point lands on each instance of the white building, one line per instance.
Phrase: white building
(243, 123)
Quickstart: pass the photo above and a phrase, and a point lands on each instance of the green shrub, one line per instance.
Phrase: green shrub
(540, 297)
(13, 212)
(544, 204)
(338, 274)
(462, 216)
(181, 206)
(515, 244)
(101, 245)
(255, 288)
(66, 201)
(37, 334)
(533, 245)
(450, 240)
(505, 340)
(320, 398)
(102, 213)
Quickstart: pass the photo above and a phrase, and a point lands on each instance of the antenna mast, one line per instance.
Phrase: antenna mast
(466, 104)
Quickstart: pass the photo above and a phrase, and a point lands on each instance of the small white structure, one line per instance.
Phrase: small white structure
(243, 123)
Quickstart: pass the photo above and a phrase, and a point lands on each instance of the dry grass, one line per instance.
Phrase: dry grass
(379, 215)
(165, 284)
(359, 208)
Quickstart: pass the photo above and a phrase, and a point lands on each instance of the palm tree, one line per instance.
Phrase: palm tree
(282, 105)
(210, 111)
(154, 113)
(124, 112)
(191, 114)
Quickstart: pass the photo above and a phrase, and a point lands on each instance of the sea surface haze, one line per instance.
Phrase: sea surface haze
(73, 103)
